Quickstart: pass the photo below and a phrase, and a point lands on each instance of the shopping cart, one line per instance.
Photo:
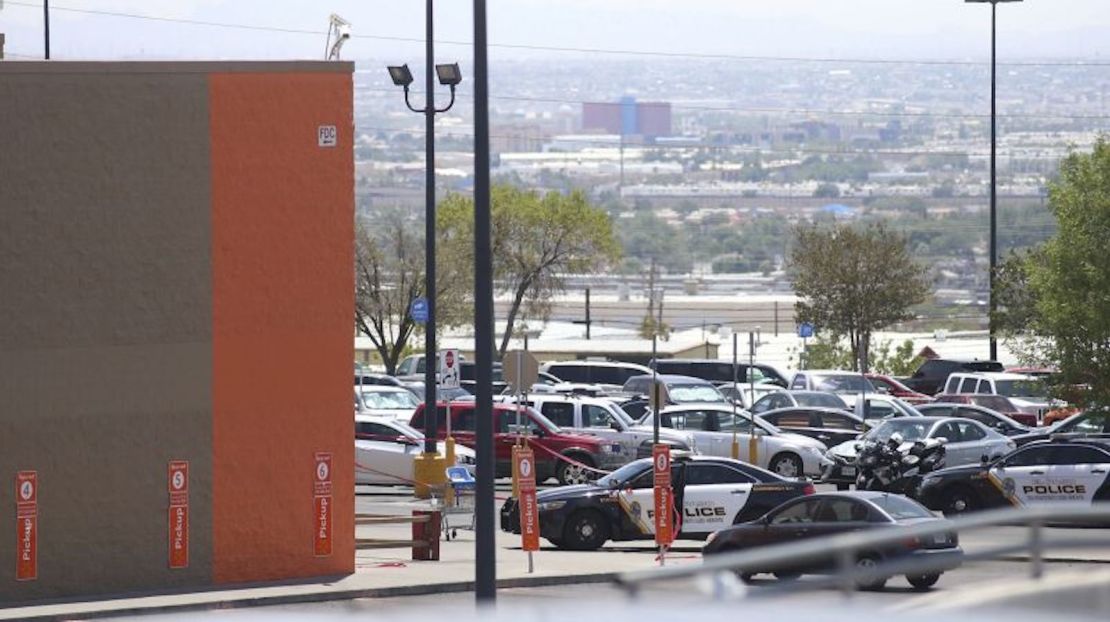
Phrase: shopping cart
(459, 507)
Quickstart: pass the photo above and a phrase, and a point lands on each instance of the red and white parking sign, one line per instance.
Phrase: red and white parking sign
(321, 505)
(664, 529)
(27, 525)
(177, 485)
(529, 513)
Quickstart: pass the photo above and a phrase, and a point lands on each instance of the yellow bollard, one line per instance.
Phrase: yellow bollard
(430, 472)
(735, 449)
(753, 449)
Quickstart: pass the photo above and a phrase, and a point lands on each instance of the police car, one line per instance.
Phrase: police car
(712, 492)
(1058, 471)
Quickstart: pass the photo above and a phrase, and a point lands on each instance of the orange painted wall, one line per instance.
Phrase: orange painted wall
(282, 290)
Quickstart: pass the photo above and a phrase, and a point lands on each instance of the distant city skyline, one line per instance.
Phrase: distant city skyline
(877, 29)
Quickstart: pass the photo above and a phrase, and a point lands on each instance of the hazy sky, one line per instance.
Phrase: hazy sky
(842, 28)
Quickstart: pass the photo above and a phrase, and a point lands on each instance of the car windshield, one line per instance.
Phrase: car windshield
(900, 507)
(910, 430)
(822, 400)
(620, 413)
(625, 473)
(686, 393)
(1022, 388)
(841, 383)
(389, 399)
(408, 430)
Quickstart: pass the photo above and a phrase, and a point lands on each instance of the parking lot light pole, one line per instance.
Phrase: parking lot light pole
(429, 469)
(485, 553)
(994, 179)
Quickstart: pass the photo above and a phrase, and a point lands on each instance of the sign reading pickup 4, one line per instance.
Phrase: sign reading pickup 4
(664, 529)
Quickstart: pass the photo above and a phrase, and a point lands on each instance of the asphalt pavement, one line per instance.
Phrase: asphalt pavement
(390, 578)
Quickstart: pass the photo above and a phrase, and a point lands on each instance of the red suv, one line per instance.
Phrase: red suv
(898, 390)
(559, 454)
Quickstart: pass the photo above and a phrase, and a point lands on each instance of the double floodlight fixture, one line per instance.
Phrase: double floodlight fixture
(449, 75)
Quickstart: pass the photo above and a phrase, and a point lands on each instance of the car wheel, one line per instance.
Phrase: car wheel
(923, 581)
(868, 563)
(786, 465)
(960, 500)
(569, 474)
(585, 531)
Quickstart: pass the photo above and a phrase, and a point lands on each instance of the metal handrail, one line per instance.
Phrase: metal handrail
(843, 547)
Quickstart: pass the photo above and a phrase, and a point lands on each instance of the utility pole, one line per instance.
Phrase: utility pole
(992, 304)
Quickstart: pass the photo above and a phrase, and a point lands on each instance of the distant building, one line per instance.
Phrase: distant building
(517, 137)
(628, 118)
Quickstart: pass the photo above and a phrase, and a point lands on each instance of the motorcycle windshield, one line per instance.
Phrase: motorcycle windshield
(909, 429)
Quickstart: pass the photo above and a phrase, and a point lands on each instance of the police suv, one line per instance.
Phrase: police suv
(713, 493)
(1057, 471)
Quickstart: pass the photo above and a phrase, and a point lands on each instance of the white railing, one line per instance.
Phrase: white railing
(844, 548)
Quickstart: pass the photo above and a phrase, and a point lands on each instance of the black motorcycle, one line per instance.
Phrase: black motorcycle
(896, 467)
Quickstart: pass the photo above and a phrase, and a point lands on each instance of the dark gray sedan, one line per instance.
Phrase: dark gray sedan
(832, 513)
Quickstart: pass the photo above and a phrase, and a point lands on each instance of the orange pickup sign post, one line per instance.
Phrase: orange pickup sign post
(664, 500)
(529, 513)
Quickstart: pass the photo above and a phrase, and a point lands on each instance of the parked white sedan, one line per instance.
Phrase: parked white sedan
(712, 426)
(386, 448)
(965, 441)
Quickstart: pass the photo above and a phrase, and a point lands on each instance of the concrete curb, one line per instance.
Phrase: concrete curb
(233, 601)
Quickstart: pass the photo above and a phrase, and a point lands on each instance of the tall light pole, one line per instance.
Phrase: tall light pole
(485, 553)
(994, 180)
(449, 75)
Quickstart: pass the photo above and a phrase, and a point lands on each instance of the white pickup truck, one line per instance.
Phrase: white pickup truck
(604, 418)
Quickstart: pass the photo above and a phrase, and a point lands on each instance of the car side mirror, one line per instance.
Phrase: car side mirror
(984, 459)
(616, 426)
(858, 446)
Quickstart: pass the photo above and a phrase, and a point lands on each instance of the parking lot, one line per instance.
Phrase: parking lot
(628, 556)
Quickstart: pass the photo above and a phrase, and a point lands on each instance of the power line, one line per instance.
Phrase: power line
(578, 50)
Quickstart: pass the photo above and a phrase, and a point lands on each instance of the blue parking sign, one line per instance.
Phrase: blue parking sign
(419, 310)
(805, 330)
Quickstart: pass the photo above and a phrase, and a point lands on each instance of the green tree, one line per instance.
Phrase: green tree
(645, 236)
(389, 273)
(902, 361)
(536, 240)
(1069, 280)
(853, 282)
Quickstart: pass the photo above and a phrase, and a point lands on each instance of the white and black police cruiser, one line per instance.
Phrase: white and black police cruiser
(1057, 471)
(713, 493)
